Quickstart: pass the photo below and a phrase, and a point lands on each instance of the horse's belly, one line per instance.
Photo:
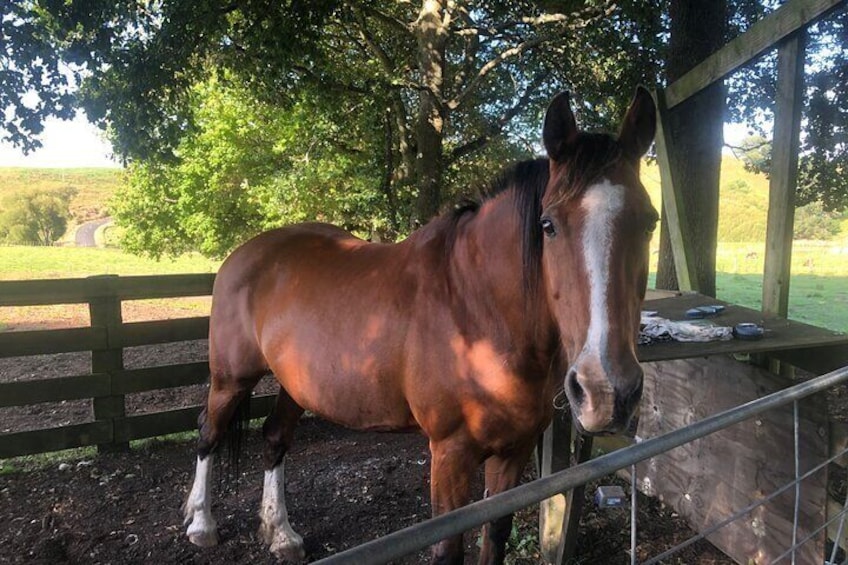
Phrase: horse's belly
(356, 397)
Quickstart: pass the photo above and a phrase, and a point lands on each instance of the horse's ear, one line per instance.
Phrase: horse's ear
(560, 127)
(640, 124)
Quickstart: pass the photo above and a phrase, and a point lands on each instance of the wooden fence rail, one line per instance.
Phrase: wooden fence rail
(108, 382)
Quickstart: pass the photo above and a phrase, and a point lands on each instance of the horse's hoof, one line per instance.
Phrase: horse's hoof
(203, 539)
(289, 550)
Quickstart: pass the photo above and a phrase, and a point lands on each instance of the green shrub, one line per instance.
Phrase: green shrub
(37, 217)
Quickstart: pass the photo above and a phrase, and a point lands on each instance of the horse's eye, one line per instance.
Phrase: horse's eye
(548, 227)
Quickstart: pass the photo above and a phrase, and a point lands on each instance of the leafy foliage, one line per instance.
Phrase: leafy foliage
(443, 79)
(755, 152)
(824, 140)
(814, 222)
(37, 217)
(247, 167)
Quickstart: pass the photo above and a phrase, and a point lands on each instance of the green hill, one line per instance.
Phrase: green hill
(94, 187)
(743, 205)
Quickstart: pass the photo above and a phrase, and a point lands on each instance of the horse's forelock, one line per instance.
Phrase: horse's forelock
(583, 163)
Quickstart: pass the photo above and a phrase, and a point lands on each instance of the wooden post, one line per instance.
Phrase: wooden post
(784, 175)
(674, 213)
(559, 516)
(105, 311)
(783, 182)
(556, 456)
(574, 500)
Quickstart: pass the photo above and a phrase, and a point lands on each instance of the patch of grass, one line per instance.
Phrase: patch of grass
(43, 460)
(820, 300)
(25, 263)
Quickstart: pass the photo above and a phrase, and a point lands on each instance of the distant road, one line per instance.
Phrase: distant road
(85, 233)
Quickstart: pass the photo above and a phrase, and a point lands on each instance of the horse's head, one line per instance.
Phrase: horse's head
(597, 221)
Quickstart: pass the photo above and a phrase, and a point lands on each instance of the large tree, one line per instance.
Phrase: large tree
(444, 76)
(698, 29)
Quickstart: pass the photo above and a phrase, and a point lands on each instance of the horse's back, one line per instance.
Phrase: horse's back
(324, 311)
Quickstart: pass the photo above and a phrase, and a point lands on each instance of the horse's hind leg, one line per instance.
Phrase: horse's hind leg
(276, 530)
(225, 394)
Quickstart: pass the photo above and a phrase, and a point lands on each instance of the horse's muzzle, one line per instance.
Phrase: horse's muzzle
(602, 404)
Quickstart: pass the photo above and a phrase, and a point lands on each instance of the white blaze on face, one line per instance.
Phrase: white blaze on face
(602, 204)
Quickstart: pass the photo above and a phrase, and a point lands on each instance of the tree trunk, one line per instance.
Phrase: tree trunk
(429, 132)
(698, 29)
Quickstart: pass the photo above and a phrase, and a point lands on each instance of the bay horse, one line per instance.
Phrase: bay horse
(466, 331)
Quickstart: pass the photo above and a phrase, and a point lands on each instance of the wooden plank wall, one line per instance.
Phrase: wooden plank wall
(712, 478)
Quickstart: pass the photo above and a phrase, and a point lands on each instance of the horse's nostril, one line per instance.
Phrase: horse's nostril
(574, 388)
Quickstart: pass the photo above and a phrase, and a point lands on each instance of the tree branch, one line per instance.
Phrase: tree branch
(529, 44)
(386, 18)
(497, 128)
(578, 20)
(397, 106)
(472, 45)
(330, 84)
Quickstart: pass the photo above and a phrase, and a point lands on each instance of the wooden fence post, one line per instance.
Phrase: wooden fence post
(105, 311)
(559, 516)
(555, 449)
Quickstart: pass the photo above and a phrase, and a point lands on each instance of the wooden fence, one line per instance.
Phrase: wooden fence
(108, 382)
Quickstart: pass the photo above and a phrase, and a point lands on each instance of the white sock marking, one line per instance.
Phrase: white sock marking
(202, 529)
(276, 528)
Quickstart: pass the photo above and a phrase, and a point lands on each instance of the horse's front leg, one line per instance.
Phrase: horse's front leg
(502, 473)
(451, 469)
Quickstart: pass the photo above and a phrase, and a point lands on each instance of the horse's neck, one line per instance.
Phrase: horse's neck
(487, 275)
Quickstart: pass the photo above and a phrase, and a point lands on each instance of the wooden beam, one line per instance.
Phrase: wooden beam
(161, 377)
(794, 15)
(78, 290)
(140, 426)
(167, 286)
(784, 175)
(38, 342)
(105, 312)
(555, 454)
(674, 212)
(54, 439)
(567, 550)
(23, 393)
(161, 331)
(50, 291)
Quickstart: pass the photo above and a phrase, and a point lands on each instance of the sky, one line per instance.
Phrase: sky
(76, 143)
(67, 144)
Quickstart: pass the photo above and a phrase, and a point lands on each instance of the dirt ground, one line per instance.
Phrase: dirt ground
(343, 488)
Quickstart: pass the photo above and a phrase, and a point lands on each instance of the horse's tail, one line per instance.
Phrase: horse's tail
(236, 432)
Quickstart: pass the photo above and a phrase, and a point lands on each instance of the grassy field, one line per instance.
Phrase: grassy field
(23, 263)
(94, 186)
